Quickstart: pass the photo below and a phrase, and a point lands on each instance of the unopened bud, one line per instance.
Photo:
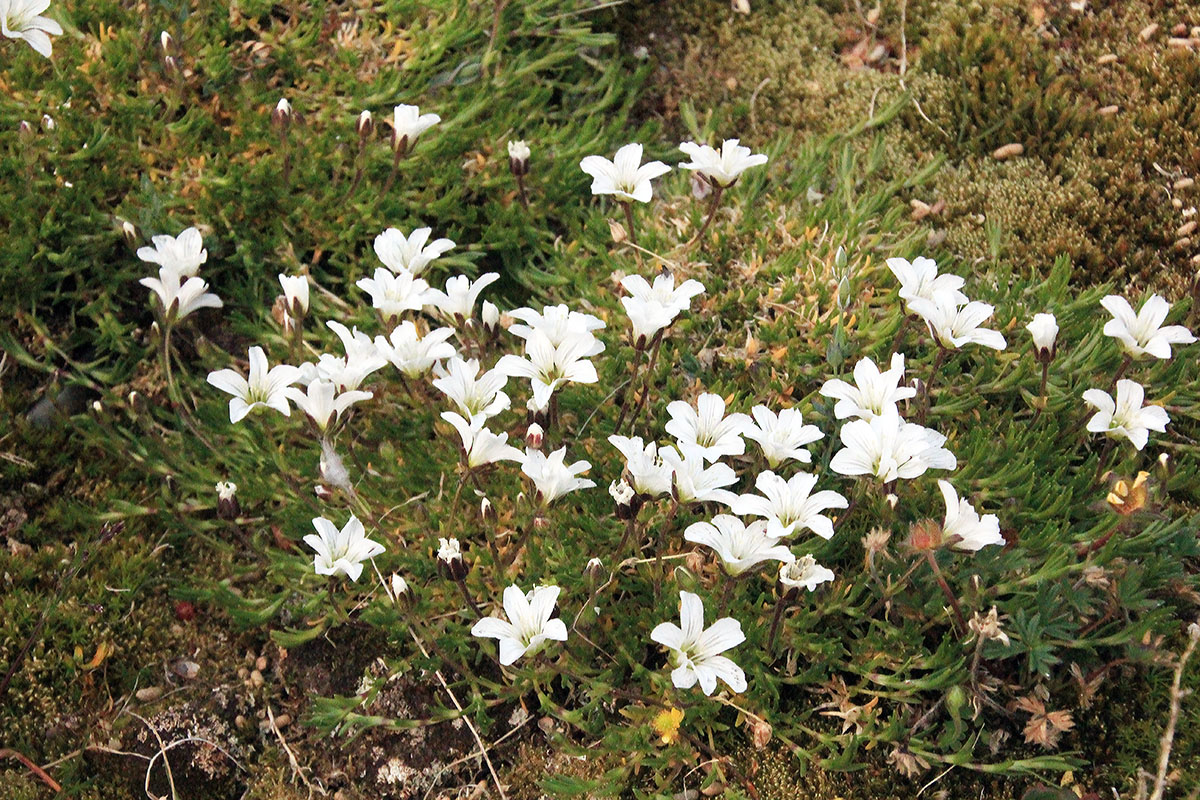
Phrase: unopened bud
(168, 43)
(402, 595)
(594, 572)
(892, 500)
(534, 437)
(131, 233)
(540, 523)
(48, 123)
(518, 158)
(1165, 467)
(624, 496)
(137, 403)
(227, 502)
(25, 130)
(323, 492)
(281, 117)
(487, 511)
(365, 126)
(490, 316)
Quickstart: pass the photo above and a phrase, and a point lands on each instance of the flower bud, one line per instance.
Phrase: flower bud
(171, 65)
(24, 130)
(295, 292)
(365, 126)
(323, 492)
(490, 316)
(168, 43)
(281, 117)
(1044, 330)
(540, 523)
(450, 562)
(925, 534)
(624, 496)
(487, 511)
(518, 158)
(48, 123)
(534, 437)
(227, 502)
(402, 595)
(137, 403)
(701, 188)
(594, 572)
(1164, 467)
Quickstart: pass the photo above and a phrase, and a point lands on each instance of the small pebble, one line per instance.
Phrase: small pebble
(1008, 151)
(260, 663)
(1186, 228)
(1107, 58)
(148, 694)
(1147, 33)
(1184, 183)
(1107, 111)
(186, 669)
(256, 679)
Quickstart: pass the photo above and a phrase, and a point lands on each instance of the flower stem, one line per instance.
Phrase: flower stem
(630, 530)
(1042, 390)
(632, 232)
(1120, 372)
(396, 159)
(933, 373)
(896, 342)
(660, 544)
(521, 189)
(941, 580)
(648, 375)
(712, 212)
(781, 605)
(462, 585)
(638, 351)
(165, 358)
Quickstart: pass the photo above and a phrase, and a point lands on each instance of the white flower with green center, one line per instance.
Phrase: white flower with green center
(342, 550)
(412, 353)
(473, 393)
(458, 301)
(963, 526)
(695, 652)
(722, 167)
(548, 366)
(781, 436)
(707, 427)
(412, 253)
(647, 472)
(789, 506)
(625, 177)
(920, 279)
(480, 446)
(323, 403)
(890, 448)
(179, 299)
(1143, 333)
(183, 253)
(741, 547)
(529, 626)
(552, 476)
(266, 388)
(21, 19)
(804, 573)
(693, 480)
(955, 325)
(559, 324)
(393, 293)
(1125, 417)
(872, 393)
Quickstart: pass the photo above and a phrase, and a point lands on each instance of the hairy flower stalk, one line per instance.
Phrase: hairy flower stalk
(365, 127)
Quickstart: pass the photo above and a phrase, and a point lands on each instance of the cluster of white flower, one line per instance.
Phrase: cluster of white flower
(178, 288)
(22, 19)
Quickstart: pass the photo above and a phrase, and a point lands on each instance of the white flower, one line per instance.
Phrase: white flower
(529, 626)
(804, 573)
(480, 445)
(890, 448)
(295, 290)
(621, 492)
(518, 151)
(341, 551)
(558, 323)
(226, 490)
(20, 19)
(362, 358)
(955, 325)
(721, 167)
(920, 279)
(781, 436)
(741, 547)
(320, 403)
(1143, 333)
(333, 469)
(625, 176)
(650, 476)
(409, 123)
(652, 307)
(873, 392)
(695, 651)
(409, 254)
(789, 505)
(266, 387)
(548, 367)
(399, 587)
(449, 550)
(184, 253)
(412, 353)
(1126, 417)
(1044, 329)
(963, 521)
(692, 481)
(393, 293)
(179, 300)
(552, 476)
(461, 293)
(473, 393)
(707, 427)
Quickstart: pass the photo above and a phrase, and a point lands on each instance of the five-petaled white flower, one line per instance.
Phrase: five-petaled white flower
(873, 392)
(965, 529)
(322, 402)
(789, 505)
(625, 177)
(649, 475)
(362, 358)
(341, 551)
(1126, 417)
(652, 307)
(707, 427)
(393, 293)
(458, 301)
(480, 445)
(920, 279)
(890, 448)
(179, 299)
(741, 547)
(695, 652)
(723, 166)
(552, 476)
(412, 253)
(183, 253)
(693, 480)
(803, 573)
(473, 393)
(1043, 328)
(408, 123)
(21, 19)
(548, 366)
(781, 436)
(266, 387)
(295, 292)
(412, 353)
(954, 324)
(1143, 333)
(529, 625)
(558, 323)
